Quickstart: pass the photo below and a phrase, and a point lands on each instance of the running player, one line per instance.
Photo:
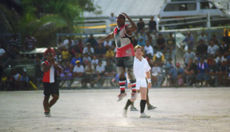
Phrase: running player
(124, 54)
(49, 81)
(142, 73)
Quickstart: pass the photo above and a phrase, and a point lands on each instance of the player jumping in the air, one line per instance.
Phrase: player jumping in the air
(124, 54)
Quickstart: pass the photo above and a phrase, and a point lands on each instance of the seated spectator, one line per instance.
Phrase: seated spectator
(65, 54)
(94, 61)
(148, 50)
(110, 69)
(86, 58)
(189, 55)
(78, 71)
(88, 49)
(160, 42)
(159, 58)
(202, 69)
(223, 48)
(212, 48)
(89, 75)
(75, 58)
(110, 54)
(100, 50)
(92, 41)
(107, 44)
(100, 71)
(203, 37)
(190, 72)
(157, 76)
(176, 75)
(142, 38)
(78, 48)
(213, 71)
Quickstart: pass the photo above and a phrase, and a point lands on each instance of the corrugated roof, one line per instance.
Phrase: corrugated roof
(131, 7)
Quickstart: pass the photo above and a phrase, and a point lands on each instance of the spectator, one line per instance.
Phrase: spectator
(157, 76)
(110, 71)
(78, 48)
(110, 54)
(213, 71)
(92, 41)
(89, 75)
(215, 40)
(100, 71)
(66, 74)
(223, 47)
(88, 49)
(94, 61)
(176, 75)
(189, 40)
(142, 37)
(212, 48)
(189, 55)
(190, 72)
(202, 49)
(107, 44)
(148, 50)
(203, 37)
(65, 54)
(86, 58)
(226, 38)
(100, 50)
(171, 46)
(112, 18)
(160, 42)
(152, 25)
(203, 69)
(30, 42)
(75, 58)
(140, 25)
(78, 71)
(159, 57)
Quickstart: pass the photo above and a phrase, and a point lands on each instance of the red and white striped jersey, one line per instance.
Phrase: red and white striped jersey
(49, 76)
(124, 46)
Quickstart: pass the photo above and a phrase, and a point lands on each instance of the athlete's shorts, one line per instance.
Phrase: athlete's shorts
(125, 61)
(50, 89)
(141, 83)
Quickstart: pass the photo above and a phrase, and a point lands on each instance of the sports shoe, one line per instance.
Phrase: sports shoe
(151, 107)
(143, 115)
(47, 114)
(121, 96)
(125, 113)
(133, 108)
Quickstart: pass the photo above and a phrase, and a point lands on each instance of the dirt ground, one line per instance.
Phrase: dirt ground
(179, 110)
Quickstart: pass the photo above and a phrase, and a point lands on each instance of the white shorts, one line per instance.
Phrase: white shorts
(141, 83)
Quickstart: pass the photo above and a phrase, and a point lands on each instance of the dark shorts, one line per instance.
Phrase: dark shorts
(126, 62)
(50, 89)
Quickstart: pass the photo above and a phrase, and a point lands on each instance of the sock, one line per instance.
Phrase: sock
(128, 104)
(122, 85)
(142, 105)
(133, 85)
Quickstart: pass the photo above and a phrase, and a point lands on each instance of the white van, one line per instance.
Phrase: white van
(182, 13)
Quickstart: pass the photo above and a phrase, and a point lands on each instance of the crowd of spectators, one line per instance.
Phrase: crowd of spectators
(206, 61)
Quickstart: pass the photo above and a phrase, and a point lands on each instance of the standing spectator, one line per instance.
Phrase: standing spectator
(30, 42)
(140, 25)
(148, 49)
(171, 46)
(92, 41)
(189, 40)
(160, 42)
(112, 18)
(152, 25)
(212, 48)
(202, 49)
(202, 69)
(142, 37)
(88, 49)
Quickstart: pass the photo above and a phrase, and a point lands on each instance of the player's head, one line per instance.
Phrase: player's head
(120, 20)
(139, 51)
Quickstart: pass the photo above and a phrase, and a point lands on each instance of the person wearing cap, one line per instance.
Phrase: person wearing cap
(124, 54)
(78, 71)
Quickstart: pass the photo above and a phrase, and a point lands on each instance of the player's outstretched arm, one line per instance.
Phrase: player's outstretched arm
(108, 37)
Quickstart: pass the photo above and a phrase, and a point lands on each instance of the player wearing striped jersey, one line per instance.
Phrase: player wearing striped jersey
(124, 54)
(49, 81)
